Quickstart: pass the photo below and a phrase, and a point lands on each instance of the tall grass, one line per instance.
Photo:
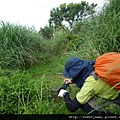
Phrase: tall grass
(22, 95)
(102, 30)
(107, 28)
(20, 46)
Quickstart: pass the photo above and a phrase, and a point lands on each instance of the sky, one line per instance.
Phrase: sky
(32, 13)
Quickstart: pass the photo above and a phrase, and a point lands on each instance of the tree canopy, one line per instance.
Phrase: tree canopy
(69, 14)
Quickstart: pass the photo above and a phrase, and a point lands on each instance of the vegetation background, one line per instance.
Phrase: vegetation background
(31, 63)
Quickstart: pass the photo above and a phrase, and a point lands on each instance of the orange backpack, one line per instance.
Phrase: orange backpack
(107, 67)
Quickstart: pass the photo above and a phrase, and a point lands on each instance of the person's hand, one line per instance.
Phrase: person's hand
(68, 81)
(62, 92)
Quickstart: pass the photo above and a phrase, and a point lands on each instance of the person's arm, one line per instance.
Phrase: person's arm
(72, 105)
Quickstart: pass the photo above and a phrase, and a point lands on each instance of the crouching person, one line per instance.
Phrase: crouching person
(93, 93)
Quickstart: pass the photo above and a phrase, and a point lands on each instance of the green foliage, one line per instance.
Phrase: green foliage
(101, 31)
(20, 46)
(22, 94)
(47, 32)
(70, 14)
(107, 26)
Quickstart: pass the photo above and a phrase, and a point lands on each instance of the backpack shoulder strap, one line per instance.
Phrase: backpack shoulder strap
(94, 75)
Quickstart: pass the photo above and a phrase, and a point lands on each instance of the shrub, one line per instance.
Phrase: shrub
(20, 46)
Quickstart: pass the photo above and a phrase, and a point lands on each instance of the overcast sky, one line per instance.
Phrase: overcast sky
(32, 12)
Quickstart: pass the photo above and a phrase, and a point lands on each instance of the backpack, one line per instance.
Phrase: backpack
(107, 67)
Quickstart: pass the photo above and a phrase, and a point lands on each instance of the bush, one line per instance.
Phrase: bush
(20, 46)
(21, 94)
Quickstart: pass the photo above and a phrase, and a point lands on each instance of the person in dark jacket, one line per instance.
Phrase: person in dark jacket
(92, 88)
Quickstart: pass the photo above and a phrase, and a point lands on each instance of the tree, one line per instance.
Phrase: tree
(70, 14)
(47, 32)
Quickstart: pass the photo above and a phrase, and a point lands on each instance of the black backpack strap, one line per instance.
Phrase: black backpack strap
(94, 75)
